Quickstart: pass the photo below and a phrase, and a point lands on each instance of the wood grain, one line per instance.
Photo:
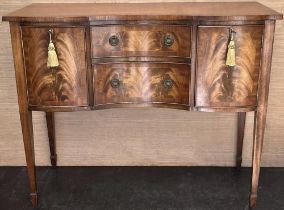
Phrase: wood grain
(219, 85)
(142, 82)
(63, 85)
(25, 114)
(261, 112)
(51, 137)
(179, 11)
(240, 138)
(140, 40)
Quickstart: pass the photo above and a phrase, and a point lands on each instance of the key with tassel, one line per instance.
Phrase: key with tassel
(231, 53)
(52, 59)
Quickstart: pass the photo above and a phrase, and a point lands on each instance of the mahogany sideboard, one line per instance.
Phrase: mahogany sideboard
(194, 56)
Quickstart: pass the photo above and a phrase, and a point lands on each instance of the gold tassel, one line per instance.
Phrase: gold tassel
(52, 59)
(231, 54)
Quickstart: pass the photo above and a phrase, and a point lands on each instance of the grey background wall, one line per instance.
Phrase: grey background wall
(139, 136)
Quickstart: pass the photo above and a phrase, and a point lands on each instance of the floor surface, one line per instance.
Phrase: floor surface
(141, 188)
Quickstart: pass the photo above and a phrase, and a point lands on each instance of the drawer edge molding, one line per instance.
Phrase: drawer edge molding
(59, 108)
(141, 105)
(152, 59)
(225, 109)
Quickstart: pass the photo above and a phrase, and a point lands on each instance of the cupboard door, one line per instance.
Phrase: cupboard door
(219, 85)
(65, 85)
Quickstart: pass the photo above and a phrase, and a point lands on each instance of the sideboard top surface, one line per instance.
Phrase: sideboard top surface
(220, 11)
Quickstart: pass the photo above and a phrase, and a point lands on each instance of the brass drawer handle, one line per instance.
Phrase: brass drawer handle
(168, 83)
(115, 83)
(113, 40)
(168, 40)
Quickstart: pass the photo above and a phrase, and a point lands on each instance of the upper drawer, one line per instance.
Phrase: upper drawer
(134, 40)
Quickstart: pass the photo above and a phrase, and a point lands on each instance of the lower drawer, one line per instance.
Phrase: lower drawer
(141, 83)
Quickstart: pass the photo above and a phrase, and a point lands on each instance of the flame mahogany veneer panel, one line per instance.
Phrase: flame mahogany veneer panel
(141, 40)
(65, 85)
(142, 82)
(219, 85)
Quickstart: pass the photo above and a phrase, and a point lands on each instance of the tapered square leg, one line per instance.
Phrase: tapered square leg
(34, 199)
(25, 114)
(51, 137)
(240, 138)
(27, 131)
(260, 114)
(259, 123)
